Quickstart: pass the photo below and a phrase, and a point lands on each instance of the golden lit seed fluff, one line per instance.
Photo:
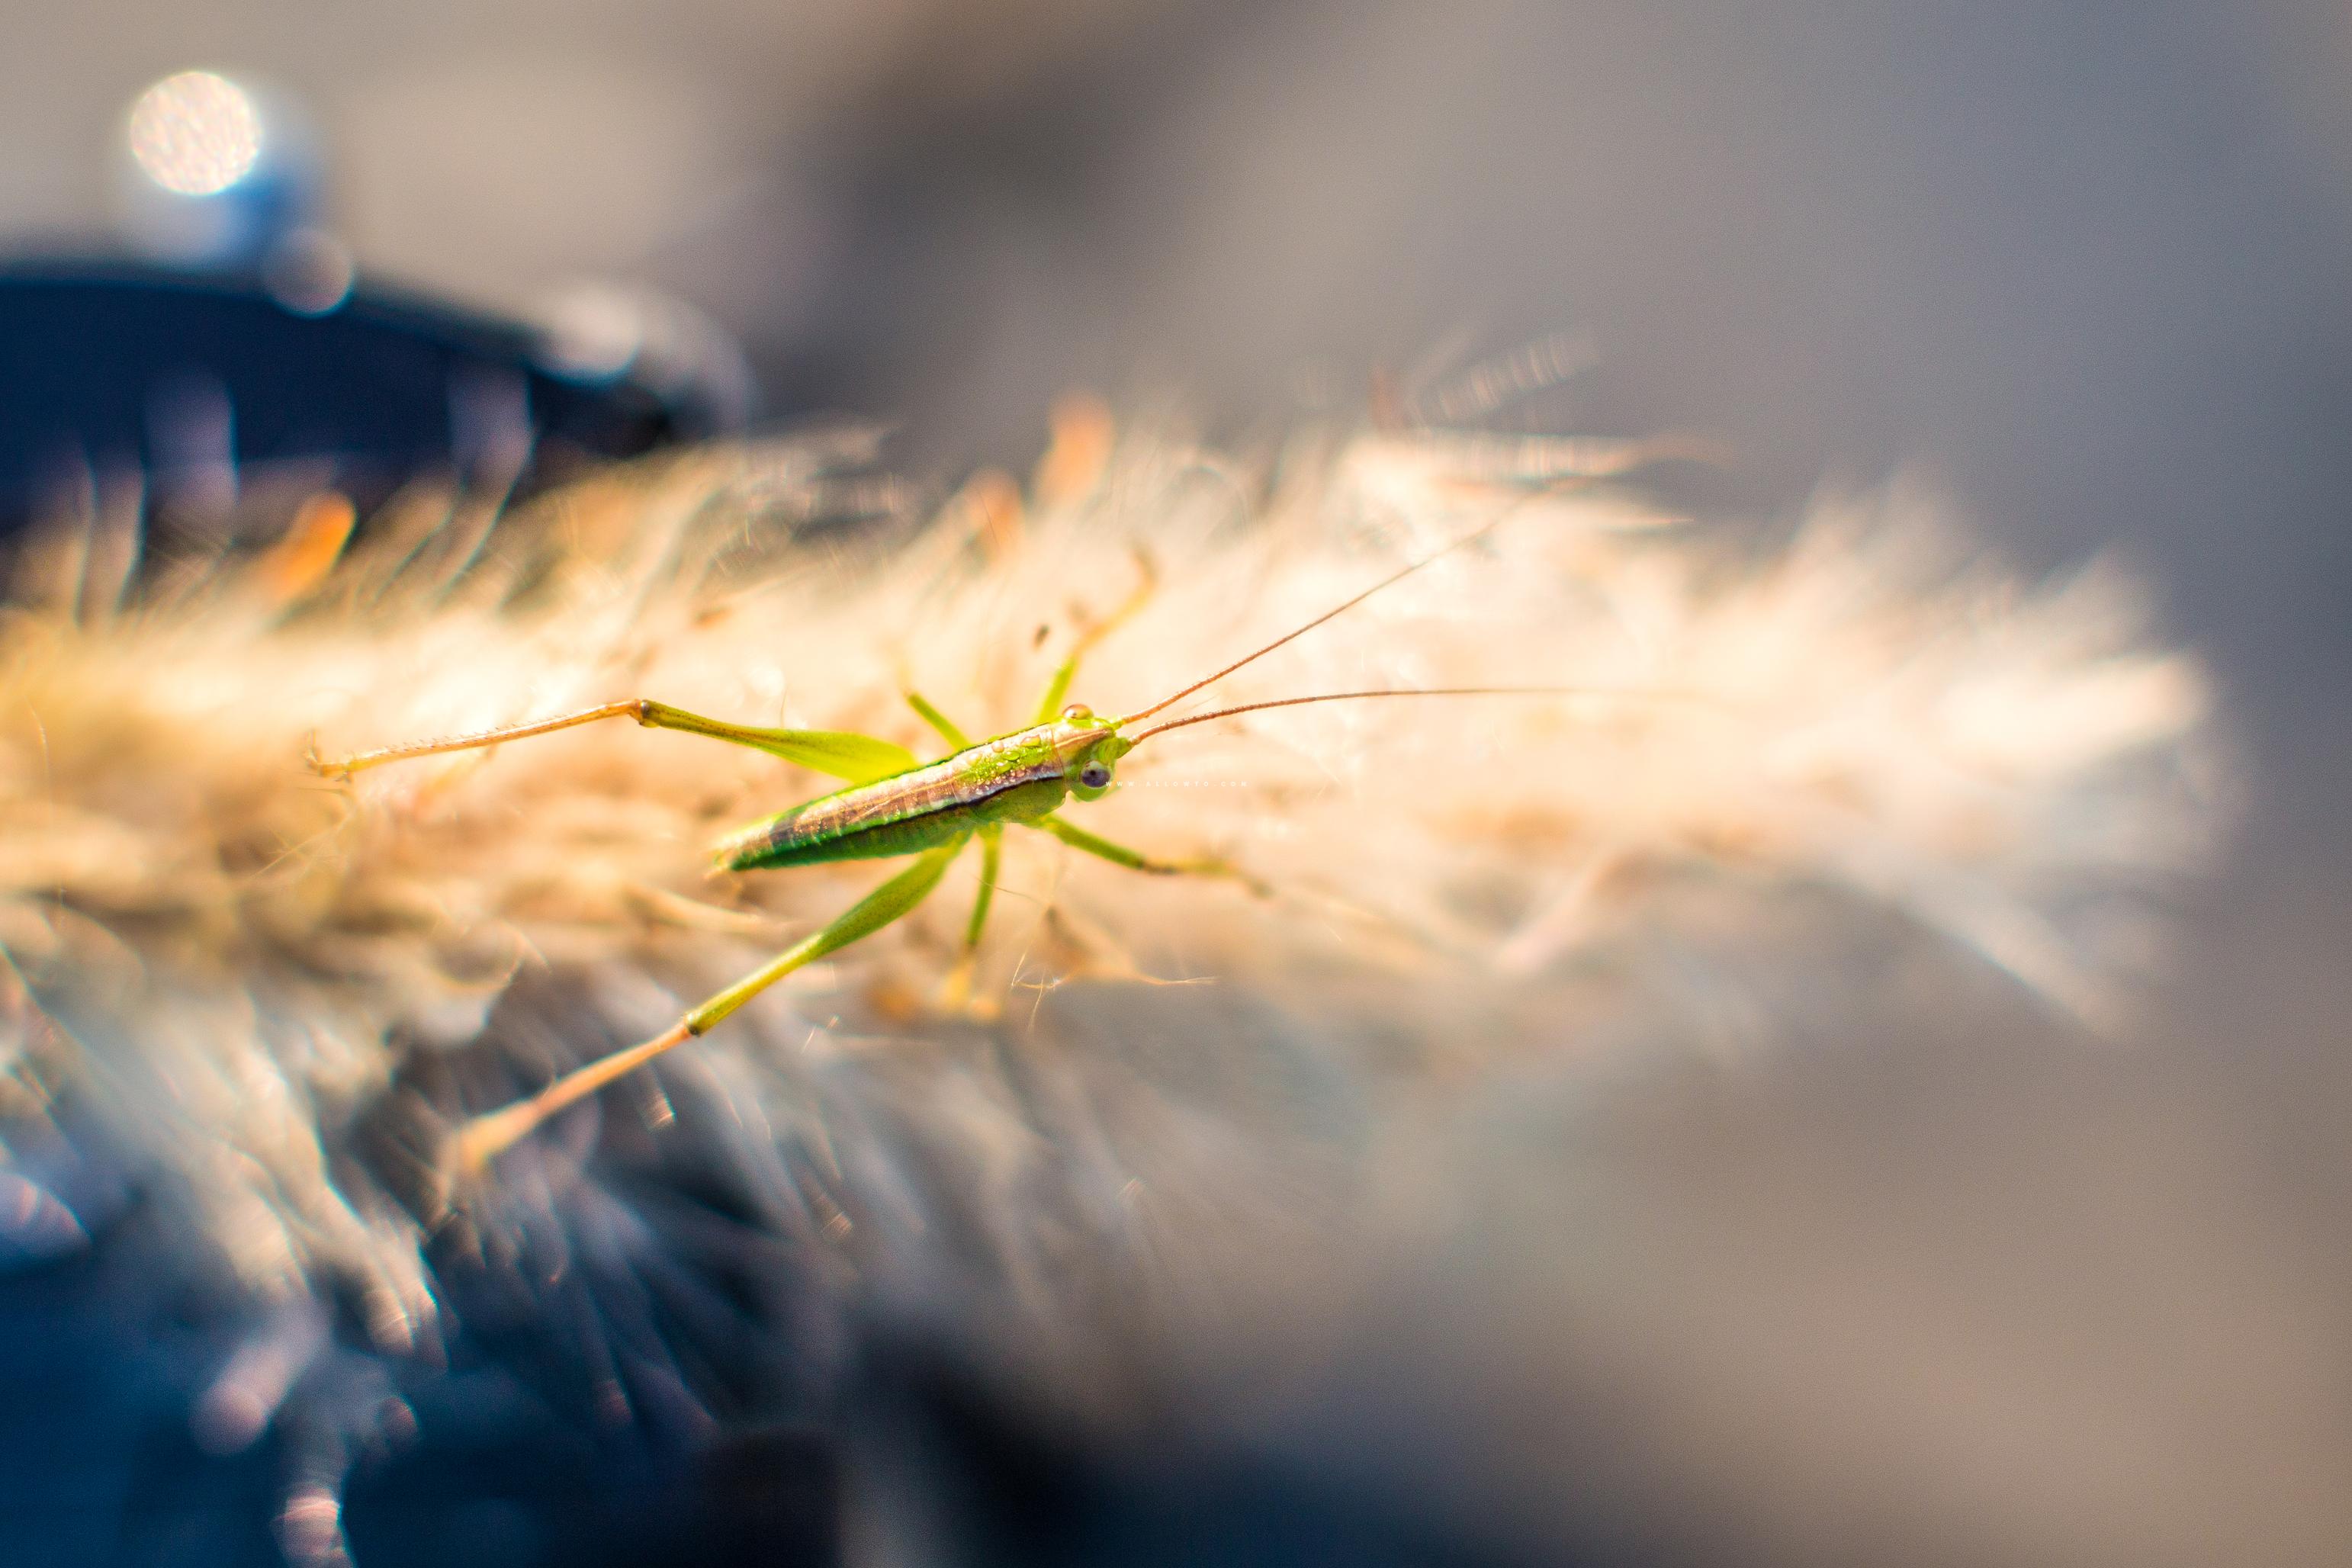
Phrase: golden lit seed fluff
(235, 967)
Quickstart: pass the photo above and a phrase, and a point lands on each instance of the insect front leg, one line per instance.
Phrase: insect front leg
(486, 1137)
(1135, 860)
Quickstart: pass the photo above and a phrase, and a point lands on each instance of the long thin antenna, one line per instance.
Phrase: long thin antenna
(1471, 537)
(1634, 693)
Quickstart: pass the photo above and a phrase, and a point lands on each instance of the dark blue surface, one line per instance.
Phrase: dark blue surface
(94, 353)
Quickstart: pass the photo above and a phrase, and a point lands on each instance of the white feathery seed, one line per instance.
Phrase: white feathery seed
(1175, 1099)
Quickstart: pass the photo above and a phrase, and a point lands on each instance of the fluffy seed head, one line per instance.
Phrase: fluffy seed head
(257, 986)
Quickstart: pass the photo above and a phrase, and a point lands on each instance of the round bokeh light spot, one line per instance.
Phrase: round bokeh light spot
(195, 133)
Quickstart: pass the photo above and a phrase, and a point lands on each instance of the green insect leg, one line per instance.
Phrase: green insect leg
(1135, 860)
(945, 726)
(955, 992)
(486, 1137)
(1050, 705)
(859, 759)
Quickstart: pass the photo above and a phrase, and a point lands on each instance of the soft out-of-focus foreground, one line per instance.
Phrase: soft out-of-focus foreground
(1812, 1152)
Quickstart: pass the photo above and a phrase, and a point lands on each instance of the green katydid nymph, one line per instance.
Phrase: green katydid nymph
(895, 805)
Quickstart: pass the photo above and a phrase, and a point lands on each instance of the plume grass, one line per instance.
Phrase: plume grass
(1158, 1139)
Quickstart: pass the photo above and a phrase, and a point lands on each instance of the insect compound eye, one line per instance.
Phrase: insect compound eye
(1077, 711)
(1095, 775)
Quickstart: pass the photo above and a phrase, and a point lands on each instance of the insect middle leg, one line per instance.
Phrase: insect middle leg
(486, 1137)
(943, 726)
(1050, 705)
(955, 991)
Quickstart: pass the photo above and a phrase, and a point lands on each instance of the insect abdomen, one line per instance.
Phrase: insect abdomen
(834, 828)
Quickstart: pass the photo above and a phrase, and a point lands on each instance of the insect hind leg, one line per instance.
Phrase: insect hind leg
(840, 754)
(487, 1136)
